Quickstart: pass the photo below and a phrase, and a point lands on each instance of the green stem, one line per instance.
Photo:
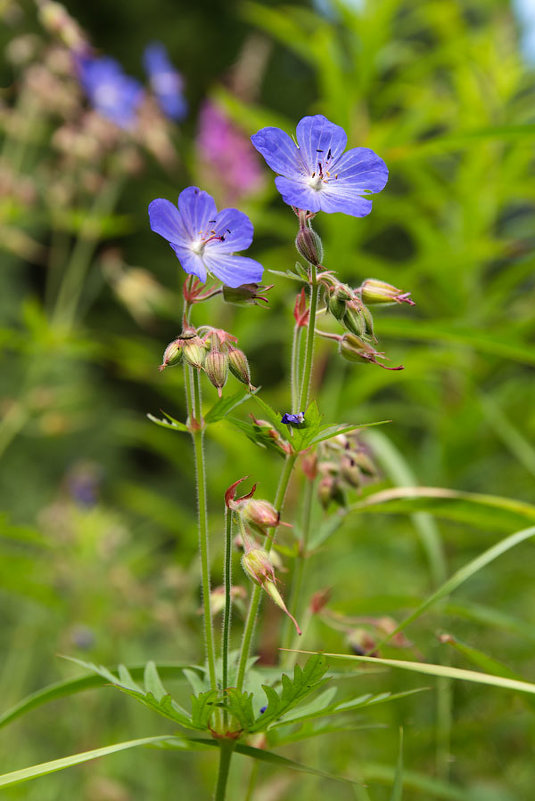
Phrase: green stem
(257, 591)
(226, 748)
(295, 605)
(309, 351)
(295, 366)
(75, 273)
(197, 433)
(228, 599)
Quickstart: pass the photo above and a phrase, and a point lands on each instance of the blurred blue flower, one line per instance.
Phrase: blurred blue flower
(293, 419)
(316, 174)
(165, 81)
(525, 12)
(111, 92)
(204, 239)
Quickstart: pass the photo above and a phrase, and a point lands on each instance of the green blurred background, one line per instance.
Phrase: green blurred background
(97, 537)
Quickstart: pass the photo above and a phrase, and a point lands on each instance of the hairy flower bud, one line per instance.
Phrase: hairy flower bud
(375, 291)
(258, 566)
(259, 514)
(309, 245)
(239, 366)
(172, 354)
(354, 321)
(337, 300)
(194, 352)
(246, 293)
(355, 349)
(350, 472)
(329, 490)
(216, 366)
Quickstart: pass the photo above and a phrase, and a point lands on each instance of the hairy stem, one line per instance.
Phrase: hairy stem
(309, 350)
(295, 366)
(296, 600)
(228, 600)
(226, 749)
(197, 433)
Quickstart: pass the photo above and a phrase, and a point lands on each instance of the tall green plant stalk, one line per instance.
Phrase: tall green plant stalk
(197, 434)
(228, 599)
(72, 284)
(226, 749)
(309, 349)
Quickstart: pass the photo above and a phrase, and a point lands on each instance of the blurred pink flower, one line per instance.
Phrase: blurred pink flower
(226, 152)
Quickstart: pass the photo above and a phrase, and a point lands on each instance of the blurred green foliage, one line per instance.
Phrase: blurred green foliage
(97, 538)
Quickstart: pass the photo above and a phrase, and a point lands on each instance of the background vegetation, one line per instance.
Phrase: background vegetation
(97, 538)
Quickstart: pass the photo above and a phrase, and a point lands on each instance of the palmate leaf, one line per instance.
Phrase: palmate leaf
(305, 681)
(202, 708)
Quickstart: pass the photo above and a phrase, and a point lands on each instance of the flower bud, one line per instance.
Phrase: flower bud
(246, 293)
(350, 472)
(329, 490)
(361, 643)
(259, 514)
(257, 565)
(355, 349)
(216, 366)
(337, 300)
(354, 321)
(239, 366)
(309, 245)
(194, 352)
(172, 354)
(374, 291)
(363, 461)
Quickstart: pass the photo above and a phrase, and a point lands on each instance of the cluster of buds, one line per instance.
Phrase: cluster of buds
(269, 437)
(211, 350)
(348, 306)
(258, 516)
(342, 463)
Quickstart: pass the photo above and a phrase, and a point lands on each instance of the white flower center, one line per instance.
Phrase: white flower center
(197, 247)
(315, 182)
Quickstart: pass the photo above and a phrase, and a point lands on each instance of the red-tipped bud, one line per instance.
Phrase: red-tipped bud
(258, 566)
(239, 366)
(172, 354)
(194, 352)
(309, 245)
(361, 643)
(355, 349)
(261, 515)
(246, 293)
(374, 291)
(216, 366)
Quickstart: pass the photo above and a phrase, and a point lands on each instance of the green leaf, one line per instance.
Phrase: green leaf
(439, 670)
(305, 680)
(202, 707)
(240, 704)
(486, 511)
(328, 432)
(153, 683)
(224, 406)
(62, 689)
(463, 574)
(496, 344)
(174, 425)
(290, 274)
(430, 788)
(272, 416)
(33, 772)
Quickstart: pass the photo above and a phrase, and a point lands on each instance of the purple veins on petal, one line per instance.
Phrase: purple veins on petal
(205, 240)
(316, 174)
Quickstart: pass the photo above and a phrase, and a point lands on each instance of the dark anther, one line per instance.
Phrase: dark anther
(329, 153)
(319, 150)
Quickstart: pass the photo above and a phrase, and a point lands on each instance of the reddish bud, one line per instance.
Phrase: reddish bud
(301, 312)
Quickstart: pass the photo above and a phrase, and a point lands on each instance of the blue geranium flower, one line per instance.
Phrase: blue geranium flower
(166, 82)
(204, 239)
(293, 419)
(315, 174)
(111, 92)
